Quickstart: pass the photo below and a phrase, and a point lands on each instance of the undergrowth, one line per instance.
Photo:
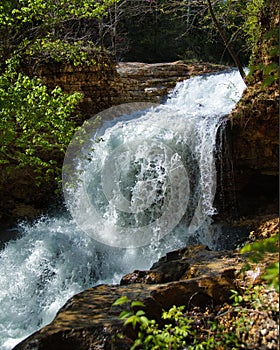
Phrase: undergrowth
(229, 326)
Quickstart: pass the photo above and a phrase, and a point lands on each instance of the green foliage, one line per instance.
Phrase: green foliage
(172, 29)
(251, 296)
(150, 336)
(260, 248)
(270, 69)
(56, 27)
(263, 38)
(271, 275)
(251, 26)
(219, 338)
(257, 252)
(35, 124)
(77, 53)
(181, 329)
(51, 11)
(225, 32)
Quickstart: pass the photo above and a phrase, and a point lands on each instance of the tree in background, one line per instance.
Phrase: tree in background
(37, 124)
(140, 30)
(27, 25)
(161, 30)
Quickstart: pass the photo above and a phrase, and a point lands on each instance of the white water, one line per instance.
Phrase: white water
(168, 187)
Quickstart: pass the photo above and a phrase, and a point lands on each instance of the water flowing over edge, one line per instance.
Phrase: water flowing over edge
(54, 258)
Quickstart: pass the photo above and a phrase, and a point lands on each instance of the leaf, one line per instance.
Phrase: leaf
(144, 321)
(272, 275)
(125, 314)
(258, 249)
(268, 81)
(140, 313)
(122, 300)
(133, 320)
(137, 303)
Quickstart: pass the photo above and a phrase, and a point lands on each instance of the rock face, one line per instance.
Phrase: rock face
(152, 82)
(254, 128)
(94, 81)
(255, 150)
(191, 276)
(106, 84)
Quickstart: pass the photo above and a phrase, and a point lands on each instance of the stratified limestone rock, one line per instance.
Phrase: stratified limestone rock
(254, 130)
(152, 82)
(190, 262)
(107, 84)
(89, 321)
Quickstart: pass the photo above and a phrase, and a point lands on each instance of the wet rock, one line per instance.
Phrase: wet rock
(153, 81)
(192, 262)
(89, 321)
(254, 129)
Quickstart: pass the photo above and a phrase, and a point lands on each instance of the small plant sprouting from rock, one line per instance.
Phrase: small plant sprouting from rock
(257, 251)
(249, 321)
(227, 328)
(172, 335)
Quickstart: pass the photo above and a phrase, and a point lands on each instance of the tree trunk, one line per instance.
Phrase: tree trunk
(226, 42)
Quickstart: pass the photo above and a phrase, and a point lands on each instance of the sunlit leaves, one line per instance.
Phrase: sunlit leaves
(271, 275)
(28, 25)
(76, 53)
(34, 122)
(252, 23)
(51, 11)
(258, 250)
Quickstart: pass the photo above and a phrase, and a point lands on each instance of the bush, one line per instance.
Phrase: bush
(35, 124)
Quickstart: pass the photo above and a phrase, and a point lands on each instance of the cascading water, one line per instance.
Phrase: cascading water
(146, 188)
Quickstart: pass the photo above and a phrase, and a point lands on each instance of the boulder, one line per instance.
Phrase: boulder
(201, 278)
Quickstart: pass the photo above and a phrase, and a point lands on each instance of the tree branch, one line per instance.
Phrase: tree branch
(226, 42)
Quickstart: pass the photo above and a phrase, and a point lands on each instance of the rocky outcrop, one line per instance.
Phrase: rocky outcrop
(106, 84)
(152, 82)
(255, 151)
(254, 128)
(94, 81)
(195, 277)
(192, 276)
(190, 262)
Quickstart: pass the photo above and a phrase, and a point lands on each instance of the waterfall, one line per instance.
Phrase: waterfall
(141, 185)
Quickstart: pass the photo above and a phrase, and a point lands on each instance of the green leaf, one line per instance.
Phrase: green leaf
(122, 300)
(140, 313)
(132, 320)
(144, 321)
(137, 303)
(125, 314)
(272, 275)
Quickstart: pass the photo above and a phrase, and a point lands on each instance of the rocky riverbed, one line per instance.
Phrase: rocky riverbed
(194, 276)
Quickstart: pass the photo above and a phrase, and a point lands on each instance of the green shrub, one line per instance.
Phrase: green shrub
(257, 252)
(35, 124)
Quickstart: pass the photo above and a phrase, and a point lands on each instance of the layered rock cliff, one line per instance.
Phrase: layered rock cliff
(254, 126)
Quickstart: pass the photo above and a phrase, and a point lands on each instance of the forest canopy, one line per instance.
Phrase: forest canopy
(141, 30)
(36, 122)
